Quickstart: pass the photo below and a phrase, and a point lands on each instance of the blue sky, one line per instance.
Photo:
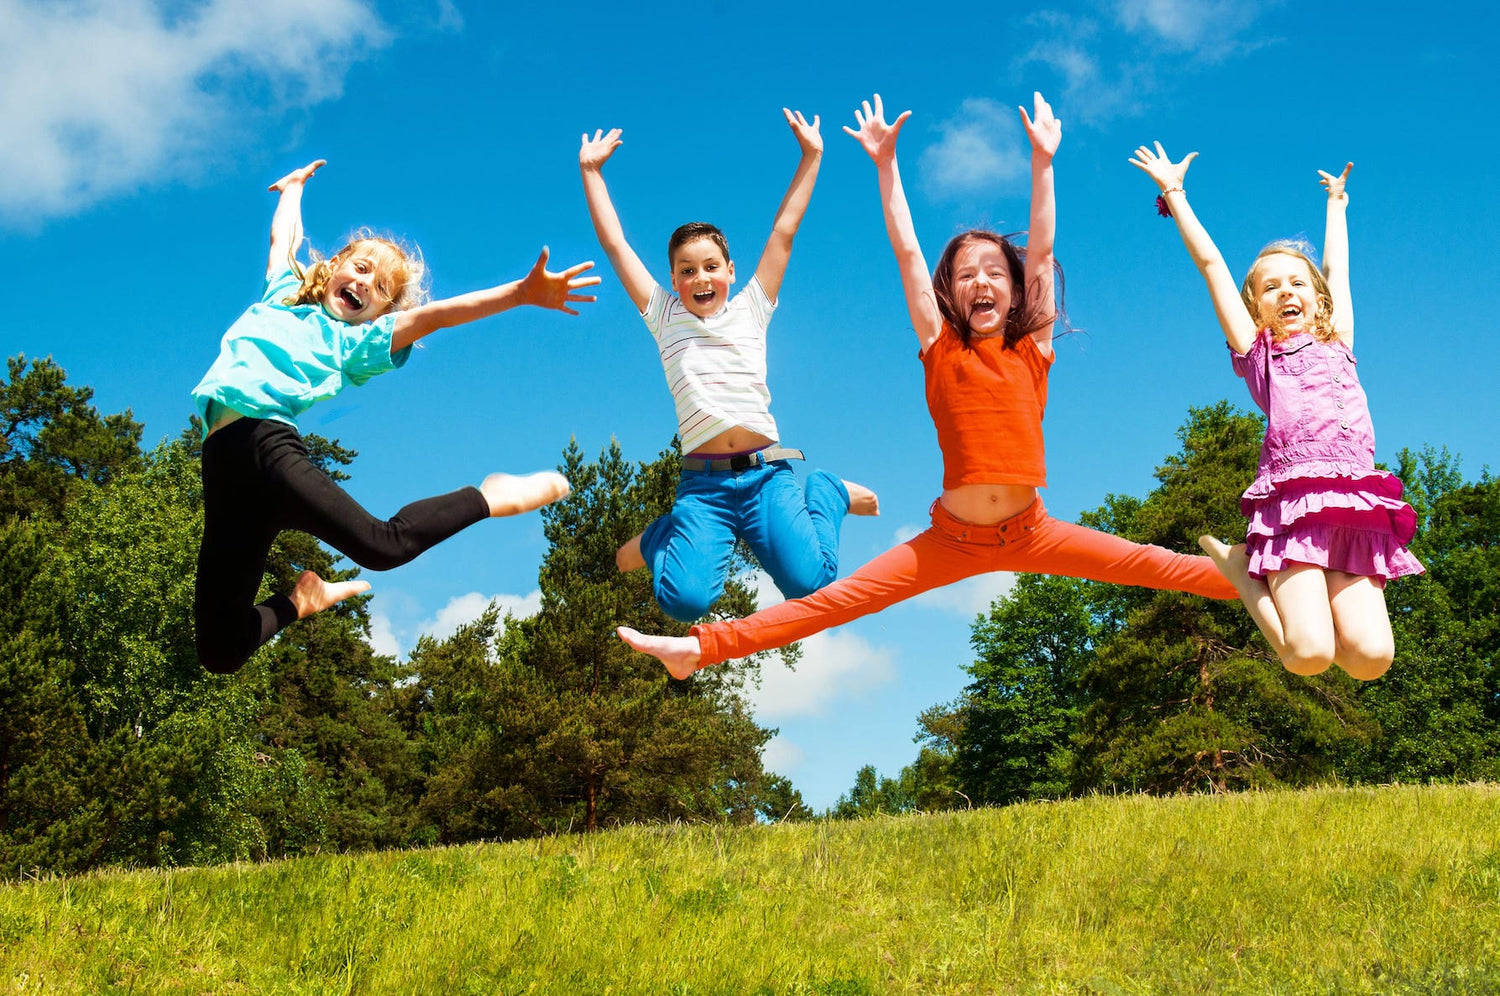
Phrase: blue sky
(139, 137)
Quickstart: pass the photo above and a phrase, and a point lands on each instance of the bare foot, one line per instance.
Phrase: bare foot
(680, 654)
(313, 594)
(628, 556)
(862, 500)
(513, 494)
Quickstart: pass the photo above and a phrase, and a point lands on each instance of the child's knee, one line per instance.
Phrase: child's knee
(685, 603)
(1307, 655)
(1366, 661)
(217, 657)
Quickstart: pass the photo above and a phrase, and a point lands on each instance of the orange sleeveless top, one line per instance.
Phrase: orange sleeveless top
(987, 403)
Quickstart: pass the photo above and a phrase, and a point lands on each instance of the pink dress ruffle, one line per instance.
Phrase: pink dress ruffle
(1356, 523)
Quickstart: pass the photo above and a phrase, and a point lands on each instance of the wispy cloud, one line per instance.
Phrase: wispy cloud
(835, 666)
(387, 637)
(1095, 84)
(983, 149)
(98, 97)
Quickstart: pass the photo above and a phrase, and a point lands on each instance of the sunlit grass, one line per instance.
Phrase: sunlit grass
(1394, 890)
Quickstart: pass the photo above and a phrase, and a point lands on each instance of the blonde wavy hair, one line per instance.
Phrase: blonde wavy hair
(1322, 320)
(399, 271)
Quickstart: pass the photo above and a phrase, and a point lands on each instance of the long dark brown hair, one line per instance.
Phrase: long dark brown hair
(1026, 314)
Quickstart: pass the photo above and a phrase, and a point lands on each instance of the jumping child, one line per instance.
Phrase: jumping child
(1327, 529)
(736, 482)
(984, 323)
(314, 331)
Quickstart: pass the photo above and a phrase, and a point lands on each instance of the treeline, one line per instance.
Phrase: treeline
(117, 748)
(1080, 687)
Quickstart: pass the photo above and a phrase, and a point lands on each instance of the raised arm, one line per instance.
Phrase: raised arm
(773, 259)
(879, 140)
(634, 276)
(1045, 133)
(1336, 253)
(540, 287)
(1234, 319)
(286, 223)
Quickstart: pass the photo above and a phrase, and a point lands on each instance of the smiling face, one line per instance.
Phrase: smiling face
(982, 286)
(361, 285)
(701, 276)
(1286, 294)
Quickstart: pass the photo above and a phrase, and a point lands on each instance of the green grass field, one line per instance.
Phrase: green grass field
(1390, 890)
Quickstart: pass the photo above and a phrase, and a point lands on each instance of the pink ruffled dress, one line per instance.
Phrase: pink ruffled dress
(1317, 497)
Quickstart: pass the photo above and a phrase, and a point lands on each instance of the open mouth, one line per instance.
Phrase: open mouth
(351, 299)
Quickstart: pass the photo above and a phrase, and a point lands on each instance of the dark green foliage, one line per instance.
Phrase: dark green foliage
(555, 723)
(51, 438)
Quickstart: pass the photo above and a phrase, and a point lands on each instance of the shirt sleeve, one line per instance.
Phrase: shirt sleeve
(656, 308)
(280, 286)
(1251, 366)
(367, 349)
(759, 305)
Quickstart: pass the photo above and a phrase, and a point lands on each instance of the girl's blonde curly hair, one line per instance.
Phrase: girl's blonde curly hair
(1322, 320)
(400, 272)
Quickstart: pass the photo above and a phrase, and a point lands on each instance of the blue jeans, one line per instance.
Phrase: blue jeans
(794, 535)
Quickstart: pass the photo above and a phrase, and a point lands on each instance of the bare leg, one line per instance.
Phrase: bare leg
(313, 594)
(1361, 624)
(1233, 563)
(512, 495)
(680, 654)
(862, 501)
(628, 556)
(1301, 595)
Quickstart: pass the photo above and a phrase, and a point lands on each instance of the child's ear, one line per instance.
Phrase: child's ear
(731, 271)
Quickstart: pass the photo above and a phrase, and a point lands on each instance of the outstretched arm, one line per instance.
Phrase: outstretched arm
(634, 276)
(773, 259)
(540, 287)
(879, 140)
(1336, 253)
(286, 223)
(1234, 319)
(1045, 133)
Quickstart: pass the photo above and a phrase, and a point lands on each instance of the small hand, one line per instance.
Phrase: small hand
(808, 135)
(1045, 131)
(1160, 168)
(1336, 184)
(545, 289)
(595, 152)
(298, 176)
(874, 135)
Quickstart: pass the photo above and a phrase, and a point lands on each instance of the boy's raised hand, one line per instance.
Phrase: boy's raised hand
(1336, 184)
(875, 136)
(1044, 130)
(595, 152)
(298, 176)
(808, 135)
(546, 289)
(1160, 168)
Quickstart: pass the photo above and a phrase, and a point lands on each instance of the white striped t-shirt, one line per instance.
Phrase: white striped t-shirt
(715, 367)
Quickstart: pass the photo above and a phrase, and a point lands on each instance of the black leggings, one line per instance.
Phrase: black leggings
(259, 480)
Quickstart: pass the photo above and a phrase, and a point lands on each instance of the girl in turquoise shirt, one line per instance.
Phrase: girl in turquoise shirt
(315, 330)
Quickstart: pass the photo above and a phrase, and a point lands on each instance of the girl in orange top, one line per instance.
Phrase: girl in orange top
(984, 323)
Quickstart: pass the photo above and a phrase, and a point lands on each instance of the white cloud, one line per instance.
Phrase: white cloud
(383, 636)
(835, 666)
(464, 609)
(982, 149)
(1205, 27)
(782, 756)
(103, 96)
(970, 596)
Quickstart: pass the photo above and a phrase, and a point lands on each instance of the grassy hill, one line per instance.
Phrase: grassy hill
(1390, 890)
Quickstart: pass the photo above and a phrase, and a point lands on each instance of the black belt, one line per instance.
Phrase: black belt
(742, 461)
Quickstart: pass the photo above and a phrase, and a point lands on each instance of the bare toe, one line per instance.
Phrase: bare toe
(312, 594)
(680, 654)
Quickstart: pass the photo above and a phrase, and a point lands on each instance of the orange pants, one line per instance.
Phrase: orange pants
(1030, 541)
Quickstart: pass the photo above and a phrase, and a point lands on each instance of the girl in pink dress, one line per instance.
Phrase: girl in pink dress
(1327, 529)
